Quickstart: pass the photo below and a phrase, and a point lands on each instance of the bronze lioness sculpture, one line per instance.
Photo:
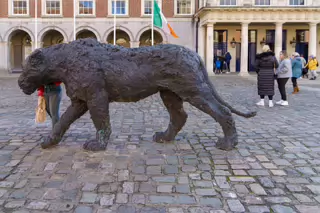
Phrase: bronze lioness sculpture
(96, 74)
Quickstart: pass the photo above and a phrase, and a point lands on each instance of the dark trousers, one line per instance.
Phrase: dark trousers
(228, 66)
(282, 87)
(53, 99)
(294, 82)
(269, 96)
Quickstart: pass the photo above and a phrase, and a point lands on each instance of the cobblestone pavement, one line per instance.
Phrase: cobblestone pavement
(275, 168)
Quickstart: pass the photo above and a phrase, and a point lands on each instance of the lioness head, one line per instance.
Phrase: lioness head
(33, 71)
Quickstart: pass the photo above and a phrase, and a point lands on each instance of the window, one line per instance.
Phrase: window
(119, 7)
(53, 7)
(86, 7)
(147, 6)
(262, 2)
(184, 7)
(228, 2)
(20, 7)
(296, 2)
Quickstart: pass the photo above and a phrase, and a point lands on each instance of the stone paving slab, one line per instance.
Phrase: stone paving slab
(275, 167)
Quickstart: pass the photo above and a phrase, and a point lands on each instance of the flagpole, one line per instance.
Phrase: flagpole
(74, 20)
(36, 25)
(152, 17)
(114, 21)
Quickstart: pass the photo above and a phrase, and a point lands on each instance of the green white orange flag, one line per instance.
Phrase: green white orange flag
(161, 22)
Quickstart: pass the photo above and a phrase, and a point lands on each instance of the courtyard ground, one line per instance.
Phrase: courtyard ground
(275, 167)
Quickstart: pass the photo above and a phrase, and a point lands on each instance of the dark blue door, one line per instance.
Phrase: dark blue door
(302, 47)
(238, 56)
(220, 43)
(271, 39)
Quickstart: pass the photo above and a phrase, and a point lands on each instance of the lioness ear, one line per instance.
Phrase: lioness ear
(36, 57)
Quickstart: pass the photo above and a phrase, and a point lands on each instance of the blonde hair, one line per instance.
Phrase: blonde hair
(265, 48)
(284, 53)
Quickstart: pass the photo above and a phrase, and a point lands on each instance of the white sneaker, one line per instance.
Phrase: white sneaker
(279, 102)
(260, 103)
(284, 103)
(271, 104)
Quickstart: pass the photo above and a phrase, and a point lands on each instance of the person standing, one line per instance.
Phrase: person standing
(228, 59)
(296, 71)
(312, 66)
(52, 94)
(304, 62)
(284, 72)
(265, 65)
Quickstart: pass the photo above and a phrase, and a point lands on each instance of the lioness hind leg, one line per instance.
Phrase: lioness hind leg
(208, 104)
(99, 111)
(178, 116)
(73, 112)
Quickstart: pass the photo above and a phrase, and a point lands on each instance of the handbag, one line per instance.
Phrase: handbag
(41, 110)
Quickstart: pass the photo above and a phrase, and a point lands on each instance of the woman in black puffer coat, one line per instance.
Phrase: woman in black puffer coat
(265, 66)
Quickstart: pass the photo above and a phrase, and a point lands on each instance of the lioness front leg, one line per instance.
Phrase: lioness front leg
(99, 111)
(73, 112)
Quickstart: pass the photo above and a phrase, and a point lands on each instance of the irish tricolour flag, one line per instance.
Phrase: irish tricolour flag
(161, 22)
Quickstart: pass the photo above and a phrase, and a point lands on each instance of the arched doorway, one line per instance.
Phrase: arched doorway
(122, 38)
(52, 37)
(20, 47)
(145, 38)
(86, 34)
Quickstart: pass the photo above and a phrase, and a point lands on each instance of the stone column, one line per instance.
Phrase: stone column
(209, 49)
(244, 48)
(313, 39)
(278, 39)
(3, 58)
(201, 42)
(134, 44)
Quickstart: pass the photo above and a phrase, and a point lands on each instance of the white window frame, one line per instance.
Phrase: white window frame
(180, 14)
(297, 5)
(261, 5)
(11, 8)
(86, 15)
(110, 8)
(44, 8)
(143, 4)
(228, 5)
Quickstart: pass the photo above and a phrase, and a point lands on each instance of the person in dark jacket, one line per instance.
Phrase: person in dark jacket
(265, 65)
(228, 59)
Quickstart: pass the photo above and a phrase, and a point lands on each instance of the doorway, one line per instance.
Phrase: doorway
(302, 45)
(252, 51)
(271, 39)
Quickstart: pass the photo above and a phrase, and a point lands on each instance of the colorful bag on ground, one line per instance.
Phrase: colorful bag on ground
(41, 110)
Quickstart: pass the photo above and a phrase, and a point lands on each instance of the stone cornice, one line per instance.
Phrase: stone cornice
(203, 10)
(256, 16)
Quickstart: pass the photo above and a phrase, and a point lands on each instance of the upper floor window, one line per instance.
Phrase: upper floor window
(262, 2)
(147, 6)
(20, 7)
(296, 2)
(53, 7)
(228, 2)
(119, 7)
(86, 7)
(184, 7)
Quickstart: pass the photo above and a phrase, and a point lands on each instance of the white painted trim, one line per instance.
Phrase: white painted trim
(229, 5)
(297, 5)
(176, 7)
(86, 15)
(110, 8)
(44, 9)
(10, 9)
(143, 4)
(262, 5)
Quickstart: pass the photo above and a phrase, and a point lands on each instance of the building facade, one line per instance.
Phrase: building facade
(94, 18)
(210, 27)
(242, 27)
